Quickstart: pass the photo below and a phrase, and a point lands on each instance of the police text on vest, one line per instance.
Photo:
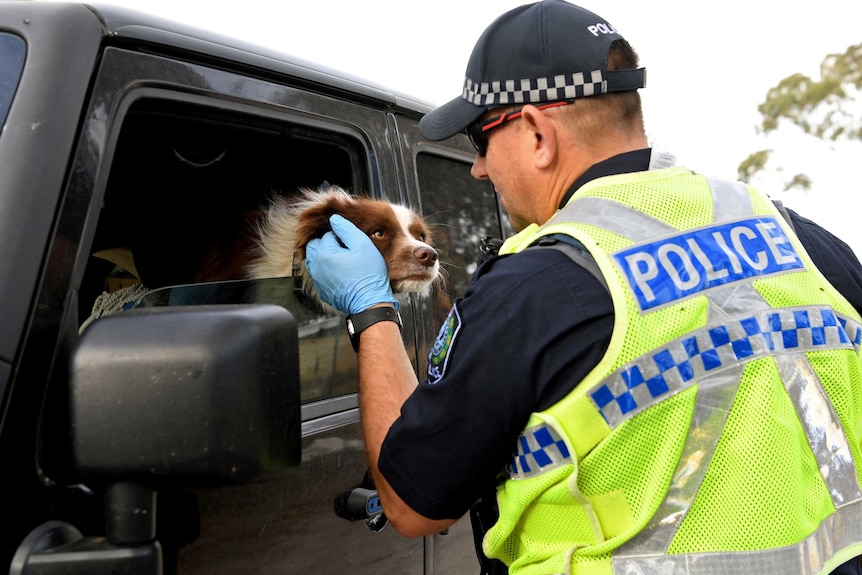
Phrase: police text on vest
(680, 266)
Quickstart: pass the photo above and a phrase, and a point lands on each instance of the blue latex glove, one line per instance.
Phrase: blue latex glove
(351, 277)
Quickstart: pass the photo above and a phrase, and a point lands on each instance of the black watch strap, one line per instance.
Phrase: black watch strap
(359, 322)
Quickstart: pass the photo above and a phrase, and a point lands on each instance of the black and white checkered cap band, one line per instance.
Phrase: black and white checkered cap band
(532, 91)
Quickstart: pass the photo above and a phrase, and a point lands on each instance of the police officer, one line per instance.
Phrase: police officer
(659, 373)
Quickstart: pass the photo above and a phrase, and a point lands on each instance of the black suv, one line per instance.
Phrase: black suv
(146, 431)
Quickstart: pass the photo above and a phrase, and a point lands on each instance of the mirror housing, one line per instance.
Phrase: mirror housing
(193, 396)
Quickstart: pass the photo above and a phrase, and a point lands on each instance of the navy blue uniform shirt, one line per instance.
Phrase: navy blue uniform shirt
(530, 327)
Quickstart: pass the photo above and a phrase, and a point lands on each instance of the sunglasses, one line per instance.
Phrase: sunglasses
(478, 131)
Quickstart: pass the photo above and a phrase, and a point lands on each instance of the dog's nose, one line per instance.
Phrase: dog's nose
(427, 256)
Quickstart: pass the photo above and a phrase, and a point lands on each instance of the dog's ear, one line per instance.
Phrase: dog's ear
(313, 221)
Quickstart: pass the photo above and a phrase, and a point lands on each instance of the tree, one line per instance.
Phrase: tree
(826, 109)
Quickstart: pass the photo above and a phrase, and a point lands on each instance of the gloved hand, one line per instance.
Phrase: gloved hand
(351, 277)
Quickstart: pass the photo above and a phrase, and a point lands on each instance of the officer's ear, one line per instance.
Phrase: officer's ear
(543, 134)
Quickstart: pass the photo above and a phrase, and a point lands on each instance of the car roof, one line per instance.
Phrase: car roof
(127, 25)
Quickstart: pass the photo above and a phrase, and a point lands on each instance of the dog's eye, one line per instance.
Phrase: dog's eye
(421, 237)
(378, 234)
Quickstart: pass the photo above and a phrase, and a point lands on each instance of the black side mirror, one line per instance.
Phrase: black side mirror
(194, 396)
(172, 396)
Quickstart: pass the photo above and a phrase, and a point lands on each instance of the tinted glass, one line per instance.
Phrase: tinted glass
(12, 50)
(462, 211)
(186, 182)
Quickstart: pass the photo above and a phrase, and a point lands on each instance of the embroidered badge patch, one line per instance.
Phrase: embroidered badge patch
(438, 357)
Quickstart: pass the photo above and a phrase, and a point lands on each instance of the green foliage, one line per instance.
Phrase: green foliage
(819, 107)
(799, 182)
(827, 109)
(752, 164)
(756, 162)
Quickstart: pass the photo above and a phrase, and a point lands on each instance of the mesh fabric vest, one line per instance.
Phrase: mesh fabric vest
(721, 430)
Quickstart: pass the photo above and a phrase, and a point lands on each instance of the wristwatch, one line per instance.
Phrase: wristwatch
(359, 322)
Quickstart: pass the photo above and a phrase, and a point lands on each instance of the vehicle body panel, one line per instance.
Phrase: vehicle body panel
(103, 136)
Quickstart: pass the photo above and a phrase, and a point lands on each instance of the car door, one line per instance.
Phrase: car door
(171, 152)
(463, 214)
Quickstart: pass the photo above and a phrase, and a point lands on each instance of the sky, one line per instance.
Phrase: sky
(708, 65)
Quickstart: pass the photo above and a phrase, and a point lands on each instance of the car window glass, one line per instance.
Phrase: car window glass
(12, 50)
(462, 212)
(185, 183)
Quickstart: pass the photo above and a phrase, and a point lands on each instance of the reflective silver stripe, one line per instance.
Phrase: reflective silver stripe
(612, 216)
(733, 301)
(822, 427)
(837, 532)
(820, 422)
(686, 360)
(853, 329)
(729, 200)
(714, 401)
(540, 449)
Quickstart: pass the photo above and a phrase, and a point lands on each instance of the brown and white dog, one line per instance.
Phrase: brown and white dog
(273, 240)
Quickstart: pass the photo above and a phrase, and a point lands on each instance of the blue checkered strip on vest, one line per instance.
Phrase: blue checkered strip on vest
(533, 91)
(683, 361)
(540, 449)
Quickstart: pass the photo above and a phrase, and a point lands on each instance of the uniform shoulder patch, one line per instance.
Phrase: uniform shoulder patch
(438, 357)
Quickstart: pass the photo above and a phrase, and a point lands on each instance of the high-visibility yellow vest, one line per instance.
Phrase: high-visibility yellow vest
(720, 432)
